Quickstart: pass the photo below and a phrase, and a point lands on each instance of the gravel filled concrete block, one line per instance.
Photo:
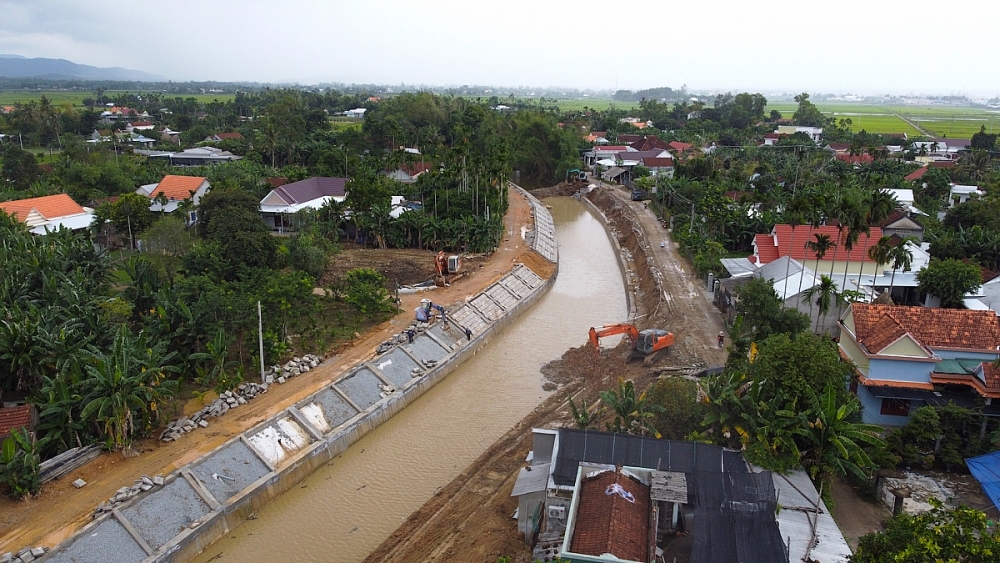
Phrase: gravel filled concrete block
(426, 349)
(237, 467)
(160, 516)
(362, 387)
(335, 408)
(450, 336)
(108, 542)
(396, 366)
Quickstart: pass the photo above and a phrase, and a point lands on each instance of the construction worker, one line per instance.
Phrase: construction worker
(468, 334)
(409, 335)
(722, 338)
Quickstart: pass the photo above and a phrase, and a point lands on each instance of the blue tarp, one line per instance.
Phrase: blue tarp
(986, 470)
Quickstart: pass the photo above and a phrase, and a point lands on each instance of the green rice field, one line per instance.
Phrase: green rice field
(59, 98)
(958, 123)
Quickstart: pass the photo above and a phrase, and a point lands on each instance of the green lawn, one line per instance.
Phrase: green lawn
(593, 103)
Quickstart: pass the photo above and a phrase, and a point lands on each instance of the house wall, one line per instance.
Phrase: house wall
(904, 347)
(872, 407)
(900, 370)
(850, 347)
(955, 354)
(827, 324)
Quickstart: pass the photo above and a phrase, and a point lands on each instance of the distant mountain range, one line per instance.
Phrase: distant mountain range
(16, 66)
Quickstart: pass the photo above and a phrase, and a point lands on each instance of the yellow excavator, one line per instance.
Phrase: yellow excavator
(646, 344)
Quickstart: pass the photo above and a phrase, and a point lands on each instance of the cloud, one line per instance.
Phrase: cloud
(853, 45)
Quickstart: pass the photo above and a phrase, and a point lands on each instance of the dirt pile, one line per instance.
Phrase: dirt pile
(561, 189)
(643, 273)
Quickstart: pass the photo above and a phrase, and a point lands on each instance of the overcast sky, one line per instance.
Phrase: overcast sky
(871, 46)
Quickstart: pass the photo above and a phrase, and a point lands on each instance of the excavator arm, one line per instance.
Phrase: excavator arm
(611, 330)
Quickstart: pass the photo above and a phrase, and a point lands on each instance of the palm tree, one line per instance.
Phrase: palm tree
(824, 295)
(797, 209)
(819, 247)
(880, 204)
(836, 441)
(901, 257)
(879, 252)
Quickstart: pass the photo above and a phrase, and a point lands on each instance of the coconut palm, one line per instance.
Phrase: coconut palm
(879, 252)
(824, 295)
(880, 204)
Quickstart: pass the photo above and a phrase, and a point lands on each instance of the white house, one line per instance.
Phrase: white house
(311, 193)
(815, 133)
(176, 189)
(357, 113)
(960, 194)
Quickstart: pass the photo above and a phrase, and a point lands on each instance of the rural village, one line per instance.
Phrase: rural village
(211, 303)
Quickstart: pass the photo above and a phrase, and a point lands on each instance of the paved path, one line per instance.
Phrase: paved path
(915, 125)
(689, 314)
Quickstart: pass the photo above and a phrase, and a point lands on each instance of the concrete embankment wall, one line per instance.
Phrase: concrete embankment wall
(207, 498)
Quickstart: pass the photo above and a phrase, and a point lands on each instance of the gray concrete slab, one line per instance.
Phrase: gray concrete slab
(487, 307)
(238, 467)
(423, 348)
(165, 513)
(448, 337)
(528, 277)
(362, 387)
(502, 296)
(468, 317)
(108, 542)
(336, 410)
(396, 366)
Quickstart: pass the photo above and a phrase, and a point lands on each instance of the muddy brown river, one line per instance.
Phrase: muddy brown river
(346, 509)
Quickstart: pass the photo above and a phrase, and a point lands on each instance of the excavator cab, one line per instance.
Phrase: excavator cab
(653, 340)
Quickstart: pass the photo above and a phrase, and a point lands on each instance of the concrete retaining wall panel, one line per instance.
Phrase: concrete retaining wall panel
(362, 387)
(107, 542)
(160, 516)
(336, 409)
(237, 467)
(396, 366)
(424, 348)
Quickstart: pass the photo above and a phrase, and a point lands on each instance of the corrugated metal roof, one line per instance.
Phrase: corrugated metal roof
(531, 480)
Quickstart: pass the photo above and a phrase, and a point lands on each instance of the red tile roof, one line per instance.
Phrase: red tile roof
(628, 138)
(416, 168)
(648, 143)
(793, 244)
(916, 174)
(142, 124)
(657, 162)
(13, 418)
(609, 523)
(276, 182)
(679, 146)
(177, 187)
(229, 136)
(992, 375)
(612, 148)
(877, 326)
(50, 207)
(840, 146)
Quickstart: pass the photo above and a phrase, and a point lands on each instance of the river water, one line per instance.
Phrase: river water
(346, 509)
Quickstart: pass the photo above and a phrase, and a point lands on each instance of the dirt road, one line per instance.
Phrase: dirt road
(59, 510)
(684, 306)
(470, 518)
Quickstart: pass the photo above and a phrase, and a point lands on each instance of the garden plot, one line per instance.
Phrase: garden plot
(363, 387)
(108, 542)
(230, 470)
(160, 516)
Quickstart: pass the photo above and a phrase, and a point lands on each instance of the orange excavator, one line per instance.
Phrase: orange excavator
(646, 344)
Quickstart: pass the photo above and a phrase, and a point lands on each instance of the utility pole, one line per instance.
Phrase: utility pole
(260, 340)
(691, 226)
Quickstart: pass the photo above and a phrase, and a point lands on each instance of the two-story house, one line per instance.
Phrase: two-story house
(908, 357)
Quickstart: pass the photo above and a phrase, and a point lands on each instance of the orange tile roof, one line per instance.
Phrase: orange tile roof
(609, 523)
(877, 326)
(50, 207)
(177, 187)
(13, 418)
(916, 174)
(679, 146)
(794, 243)
(992, 375)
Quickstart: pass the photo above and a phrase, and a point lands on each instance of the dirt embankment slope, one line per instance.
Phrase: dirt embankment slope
(470, 518)
(59, 510)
